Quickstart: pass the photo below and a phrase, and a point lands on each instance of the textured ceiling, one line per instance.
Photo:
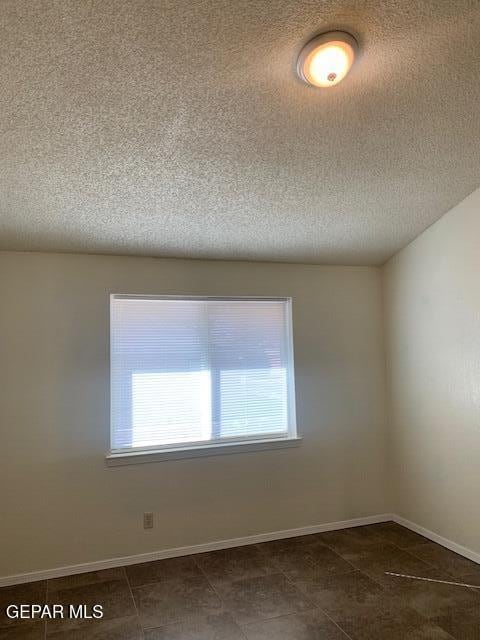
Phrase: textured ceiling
(178, 127)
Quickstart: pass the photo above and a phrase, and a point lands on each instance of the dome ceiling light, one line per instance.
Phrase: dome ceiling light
(327, 59)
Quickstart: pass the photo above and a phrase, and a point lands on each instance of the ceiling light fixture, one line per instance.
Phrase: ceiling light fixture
(326, 60)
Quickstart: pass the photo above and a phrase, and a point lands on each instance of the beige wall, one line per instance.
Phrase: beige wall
(61, 505)
(432, 310)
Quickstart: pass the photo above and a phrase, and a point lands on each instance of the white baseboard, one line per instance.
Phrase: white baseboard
(235, 542)
(98, 565)
(445, 542)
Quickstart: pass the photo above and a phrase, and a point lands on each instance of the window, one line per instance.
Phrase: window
(194, 373)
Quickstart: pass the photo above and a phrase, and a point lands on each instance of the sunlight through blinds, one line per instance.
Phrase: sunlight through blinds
(193, 371)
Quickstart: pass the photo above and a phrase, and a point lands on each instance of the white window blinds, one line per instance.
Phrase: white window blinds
(198, 371)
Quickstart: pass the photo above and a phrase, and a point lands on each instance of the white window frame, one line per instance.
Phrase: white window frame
(224, 446)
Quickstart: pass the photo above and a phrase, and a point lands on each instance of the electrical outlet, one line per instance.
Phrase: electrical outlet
(148, 520)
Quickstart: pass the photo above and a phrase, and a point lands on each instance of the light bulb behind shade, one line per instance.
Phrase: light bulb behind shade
(327, 59)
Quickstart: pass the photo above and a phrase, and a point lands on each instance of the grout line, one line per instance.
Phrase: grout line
(282, 572)
(336, 624)
(354, 568)
(217, 594)
(46, 602)
(298, 613)
(316, 607)
(430, 564)
(134, 603)
(148, 584)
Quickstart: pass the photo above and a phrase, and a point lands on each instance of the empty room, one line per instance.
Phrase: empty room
(240, 319)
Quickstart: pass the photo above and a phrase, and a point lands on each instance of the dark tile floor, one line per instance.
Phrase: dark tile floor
(328, 586)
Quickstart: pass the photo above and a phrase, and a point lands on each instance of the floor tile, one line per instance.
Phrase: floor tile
(114, 596)
(289, 544)
(160, 570)
(436, 599)
(175, 600)
(365, 611)
(326, 586)
(28, 631)
(309, 561)
(29, 593)
(444, 559)
(311, 625)
(389, 626)
(216, 627)
(85, 579)
(338, 593)
(361, 607)
(235, 564)
(462, 625)
(118, 629)
(352, 543)
(375, 563)
(368, 533)
(399, 536)
(470, 578)
(261, 598)
(427, 631)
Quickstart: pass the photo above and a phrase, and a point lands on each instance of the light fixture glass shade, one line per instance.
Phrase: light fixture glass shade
(326, 60)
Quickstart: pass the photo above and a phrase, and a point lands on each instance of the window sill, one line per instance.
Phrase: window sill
(138, 457)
